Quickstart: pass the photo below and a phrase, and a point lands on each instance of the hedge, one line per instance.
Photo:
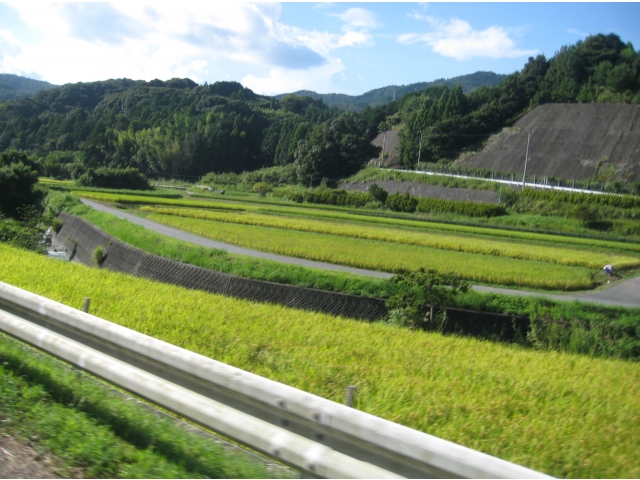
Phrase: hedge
(621, 201)
(471, 209)
(338, 197)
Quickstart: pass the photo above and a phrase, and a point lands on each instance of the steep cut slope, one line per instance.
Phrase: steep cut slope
(390, 139)
(569, 141)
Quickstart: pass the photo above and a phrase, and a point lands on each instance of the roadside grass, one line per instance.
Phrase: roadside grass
(495, 247)
(364, 217)
(91, 427)
(240, 265)
(566, 415)
(385, 256)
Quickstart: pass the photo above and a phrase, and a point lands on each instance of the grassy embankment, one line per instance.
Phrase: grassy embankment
(566, 415)
(93, 430)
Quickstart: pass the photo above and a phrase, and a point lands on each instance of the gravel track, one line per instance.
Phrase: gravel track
(623, 294)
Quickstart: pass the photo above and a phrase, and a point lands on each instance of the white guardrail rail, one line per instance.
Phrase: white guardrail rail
(318, 436)
(513, 183)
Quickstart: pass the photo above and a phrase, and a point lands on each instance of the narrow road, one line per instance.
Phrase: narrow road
(621, 294)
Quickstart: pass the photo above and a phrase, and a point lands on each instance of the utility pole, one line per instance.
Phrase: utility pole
(384, 139)
(526, 159)
(420, 150)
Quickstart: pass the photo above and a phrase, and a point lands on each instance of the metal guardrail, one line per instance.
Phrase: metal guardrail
(514, 183)
(318, 436)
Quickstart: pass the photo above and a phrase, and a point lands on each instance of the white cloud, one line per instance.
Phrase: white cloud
(279, 80)
(9, 45)
(457, 39)
(200, 40)
(578, 32)
(357, 18)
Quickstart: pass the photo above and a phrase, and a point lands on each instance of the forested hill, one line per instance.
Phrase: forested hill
(15, 86)
(175, 127)
(380, 96)
(180, 128)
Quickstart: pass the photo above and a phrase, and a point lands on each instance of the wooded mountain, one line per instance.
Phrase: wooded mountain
(380, 96)
(180, 128)
(15, 86)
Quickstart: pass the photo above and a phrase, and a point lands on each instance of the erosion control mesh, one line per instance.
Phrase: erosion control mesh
(570, 141)
(79, 239)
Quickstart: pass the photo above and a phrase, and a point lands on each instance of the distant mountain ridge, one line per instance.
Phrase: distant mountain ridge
(380, 96)
(15, 86)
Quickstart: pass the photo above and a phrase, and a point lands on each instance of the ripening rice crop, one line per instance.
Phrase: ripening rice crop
(386, 256)
(566, 415)
(511, 249)
(342, 214)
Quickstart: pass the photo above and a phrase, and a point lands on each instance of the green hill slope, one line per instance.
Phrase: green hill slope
(15, 86)
(380, 96)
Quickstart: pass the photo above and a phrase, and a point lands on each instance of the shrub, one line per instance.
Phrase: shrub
(620, 201)
(127, 178)
(17, 182)
(379, 193)
(472, 209)
(402, 203)
(418, 292)
(337, 197)
(56, 224)
(99, 254)
(262, 188)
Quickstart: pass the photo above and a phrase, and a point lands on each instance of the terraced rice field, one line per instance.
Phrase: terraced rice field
(388, 256)
(496, 247)
(361, 217)
(566, 415)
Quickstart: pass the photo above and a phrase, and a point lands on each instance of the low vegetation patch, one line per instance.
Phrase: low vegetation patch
(94, 429)
(129, 178)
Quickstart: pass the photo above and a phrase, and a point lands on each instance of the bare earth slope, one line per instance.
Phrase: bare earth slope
(570, 141)
(390, 139)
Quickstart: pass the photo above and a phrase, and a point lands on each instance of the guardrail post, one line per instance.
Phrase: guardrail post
(86, 304)
(348, 400)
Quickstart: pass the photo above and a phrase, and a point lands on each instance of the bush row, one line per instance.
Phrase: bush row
(472, 209)
(127, 178)
(338, 197)
(620, 201)
(325, 196)
(407, 203)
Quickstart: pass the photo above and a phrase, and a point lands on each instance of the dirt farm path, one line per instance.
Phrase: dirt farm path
(623, 294)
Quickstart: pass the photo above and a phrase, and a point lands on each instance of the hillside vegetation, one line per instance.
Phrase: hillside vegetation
(380, 96)
(178, 128)
(15, 86)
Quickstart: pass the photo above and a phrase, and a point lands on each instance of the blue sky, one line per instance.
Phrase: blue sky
(282, 47)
